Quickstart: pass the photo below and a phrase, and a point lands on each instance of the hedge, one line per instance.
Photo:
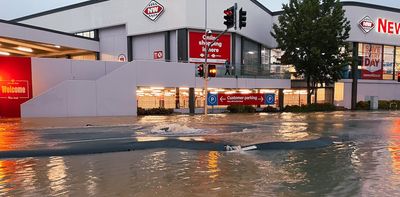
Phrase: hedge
(241, 109)
(154, 111)
(315, 107)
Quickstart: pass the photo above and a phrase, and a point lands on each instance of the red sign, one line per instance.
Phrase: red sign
(241, 99)
(218, 53)
(158, 55)
(153, 10)
(15, 85)
(122, 58)
(14, 89)
(372, 62)
(366, 24)
(388, 27)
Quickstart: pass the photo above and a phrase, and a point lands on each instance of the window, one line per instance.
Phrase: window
(251, 57)
(87, 34)
(397, 62)
(370, 61)
(388, 62)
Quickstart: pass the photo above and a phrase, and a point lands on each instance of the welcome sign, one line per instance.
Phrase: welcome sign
(15, 85)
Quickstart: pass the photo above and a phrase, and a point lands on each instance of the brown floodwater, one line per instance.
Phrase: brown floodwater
(363, 161)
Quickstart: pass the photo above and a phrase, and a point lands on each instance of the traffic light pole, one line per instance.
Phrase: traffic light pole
(206, 79)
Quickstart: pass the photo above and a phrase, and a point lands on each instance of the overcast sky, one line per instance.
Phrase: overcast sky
(10, 9)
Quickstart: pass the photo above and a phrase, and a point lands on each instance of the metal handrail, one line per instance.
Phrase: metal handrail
(259, 71)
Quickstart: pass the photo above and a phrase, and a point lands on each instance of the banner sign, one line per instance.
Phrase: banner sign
(241, 99)
(218, 53)
(15, 85)
(372, 62)
(14, 89)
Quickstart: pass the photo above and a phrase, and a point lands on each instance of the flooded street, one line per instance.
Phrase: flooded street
(363, 161)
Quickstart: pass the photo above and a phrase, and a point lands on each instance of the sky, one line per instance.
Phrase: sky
(10, 9)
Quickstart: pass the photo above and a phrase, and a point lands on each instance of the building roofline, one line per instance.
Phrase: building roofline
(368, 5)
(358, 4)
(45, 29)
(261, 6)
(256, 2)
(60, 9)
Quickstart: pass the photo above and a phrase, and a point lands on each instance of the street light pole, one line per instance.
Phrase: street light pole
(205, 62)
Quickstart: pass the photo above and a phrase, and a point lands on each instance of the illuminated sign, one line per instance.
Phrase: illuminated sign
(388, 27)
(14, 89)
(241, 99)
(381, 25)
(153, 10)
(15, 85)
(366, 24)
(218, 53)
(372, 62)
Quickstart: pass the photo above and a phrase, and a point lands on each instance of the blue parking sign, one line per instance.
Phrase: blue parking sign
(270, 99)
(212, 99)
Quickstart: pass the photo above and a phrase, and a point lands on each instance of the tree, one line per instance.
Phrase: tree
(313, 34)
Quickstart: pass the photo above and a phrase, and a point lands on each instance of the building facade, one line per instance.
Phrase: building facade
(156, 47)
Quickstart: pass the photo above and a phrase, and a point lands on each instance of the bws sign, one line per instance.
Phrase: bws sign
(381, 25)
(153, 10)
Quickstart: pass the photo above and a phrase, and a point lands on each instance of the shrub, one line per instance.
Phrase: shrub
(241, 109)
(363, 105)
(270, 109)
(293, 108)
(389, 105)
(384, 105)
(316, 107)
(154, 111)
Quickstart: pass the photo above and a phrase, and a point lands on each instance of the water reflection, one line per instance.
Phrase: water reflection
(213, 165)
(57, 175)
(394, 146)
(363, 162)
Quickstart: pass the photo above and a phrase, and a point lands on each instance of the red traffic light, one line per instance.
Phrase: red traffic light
(228, 12)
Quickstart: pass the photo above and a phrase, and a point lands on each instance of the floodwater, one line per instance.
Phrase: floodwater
(363, 161)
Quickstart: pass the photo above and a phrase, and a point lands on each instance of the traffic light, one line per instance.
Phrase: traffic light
(242, 18)
(230, 17)
(200, 70)
(212, 71)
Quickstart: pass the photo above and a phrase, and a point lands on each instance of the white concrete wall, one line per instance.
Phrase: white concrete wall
(384, 90)
(35, 35)
(178, 14)
(48, 72)
(70, 98)
(113, 43)
(114, 94)
(144, 46)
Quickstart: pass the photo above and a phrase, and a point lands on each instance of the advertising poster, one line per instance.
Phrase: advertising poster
(15, 85)
(372, 62)
(218, 53)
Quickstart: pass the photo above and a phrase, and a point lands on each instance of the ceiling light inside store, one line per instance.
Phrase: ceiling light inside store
(25, 49)
(251, 52)
(157, 88)
(4, 53)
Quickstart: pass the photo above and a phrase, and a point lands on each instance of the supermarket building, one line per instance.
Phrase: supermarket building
(109, 57)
